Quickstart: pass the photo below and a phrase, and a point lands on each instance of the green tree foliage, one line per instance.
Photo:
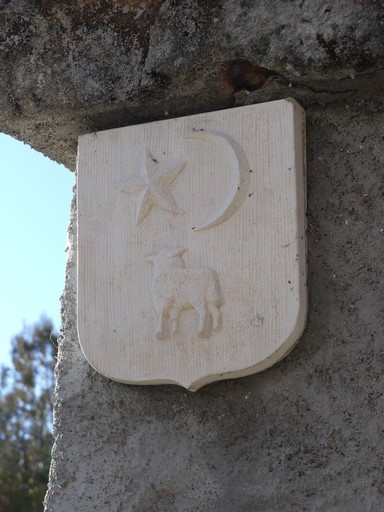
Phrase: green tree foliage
(26, 397)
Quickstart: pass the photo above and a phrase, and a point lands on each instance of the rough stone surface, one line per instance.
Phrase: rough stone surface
(307, 434)
(71, 66)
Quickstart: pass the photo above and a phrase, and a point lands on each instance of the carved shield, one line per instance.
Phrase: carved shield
(191, 240)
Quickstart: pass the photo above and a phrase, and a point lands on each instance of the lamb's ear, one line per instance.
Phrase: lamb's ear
(176, 252)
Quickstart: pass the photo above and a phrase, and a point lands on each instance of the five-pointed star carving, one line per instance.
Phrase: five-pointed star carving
(153, 188)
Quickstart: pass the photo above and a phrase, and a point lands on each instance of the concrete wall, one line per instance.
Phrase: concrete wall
(307, 434)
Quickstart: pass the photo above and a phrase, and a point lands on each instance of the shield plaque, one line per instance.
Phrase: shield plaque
(191, 240)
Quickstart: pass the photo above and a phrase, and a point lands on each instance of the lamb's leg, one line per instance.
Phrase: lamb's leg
(160, 333)
(202, 312)
(174, 314)
(216, 316)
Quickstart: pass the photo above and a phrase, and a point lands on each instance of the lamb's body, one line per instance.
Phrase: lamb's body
(176, 288)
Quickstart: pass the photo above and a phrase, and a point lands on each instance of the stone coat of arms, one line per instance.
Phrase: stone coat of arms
(192, 254)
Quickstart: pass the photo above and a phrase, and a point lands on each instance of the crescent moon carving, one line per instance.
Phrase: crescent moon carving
(240, 175)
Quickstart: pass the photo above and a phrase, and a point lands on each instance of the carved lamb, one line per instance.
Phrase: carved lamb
(176, 288)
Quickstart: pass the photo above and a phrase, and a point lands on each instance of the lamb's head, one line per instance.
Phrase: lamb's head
(167, 259)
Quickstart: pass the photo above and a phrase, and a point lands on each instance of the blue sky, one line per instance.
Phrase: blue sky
(34, 212)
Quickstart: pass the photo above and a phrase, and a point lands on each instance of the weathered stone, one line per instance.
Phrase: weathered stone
(304, 435)
(71, 67)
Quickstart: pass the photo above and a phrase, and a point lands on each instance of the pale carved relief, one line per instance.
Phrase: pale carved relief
(152, 187)
(176, 288)
(211, 183)
(240, 174)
